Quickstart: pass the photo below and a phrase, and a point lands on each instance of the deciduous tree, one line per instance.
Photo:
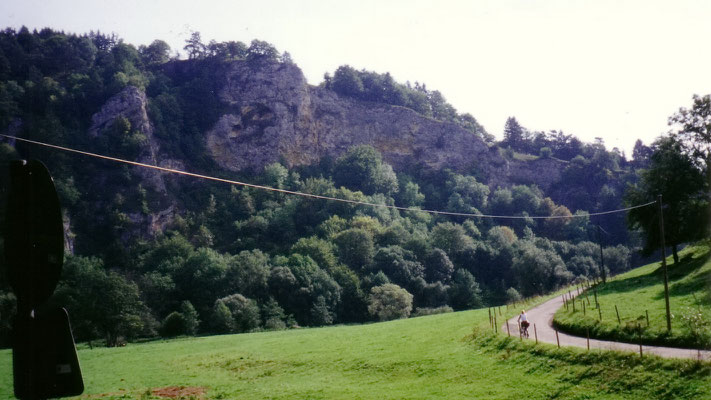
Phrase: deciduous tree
(673, 174)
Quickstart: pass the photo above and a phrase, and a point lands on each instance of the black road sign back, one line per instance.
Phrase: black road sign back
(34, 240)
(45, 363)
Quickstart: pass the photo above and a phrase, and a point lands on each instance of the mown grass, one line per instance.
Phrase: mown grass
(448, 356)
(640, 292)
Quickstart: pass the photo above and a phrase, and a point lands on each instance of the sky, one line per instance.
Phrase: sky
(610, 69)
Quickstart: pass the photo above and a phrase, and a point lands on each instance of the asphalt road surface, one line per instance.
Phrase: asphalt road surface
(542, 317)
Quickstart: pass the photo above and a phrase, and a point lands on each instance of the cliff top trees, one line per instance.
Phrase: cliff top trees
(513, 134)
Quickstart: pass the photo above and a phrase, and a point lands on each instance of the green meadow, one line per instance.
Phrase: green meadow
(639, 293)
(447, 356)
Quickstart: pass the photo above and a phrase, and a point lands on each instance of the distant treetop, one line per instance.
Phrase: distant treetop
(382, 88)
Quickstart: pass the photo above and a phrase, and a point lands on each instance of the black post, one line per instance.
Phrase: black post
(664, 261)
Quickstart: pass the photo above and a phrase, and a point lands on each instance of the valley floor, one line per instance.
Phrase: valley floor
(446, 356)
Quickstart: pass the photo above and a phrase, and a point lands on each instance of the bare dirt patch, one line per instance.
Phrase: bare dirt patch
(180, 392)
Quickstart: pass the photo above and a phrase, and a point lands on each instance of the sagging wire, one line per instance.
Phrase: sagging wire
(316, 196)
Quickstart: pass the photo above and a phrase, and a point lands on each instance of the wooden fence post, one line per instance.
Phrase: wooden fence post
(507, 328)
(587, 334)
(647, 312)
(583, 307)
(535, 332)
(556, 337)
(618, 315)
(496, 324)
(599, 312)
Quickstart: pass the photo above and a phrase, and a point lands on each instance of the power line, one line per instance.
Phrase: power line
(316, 196)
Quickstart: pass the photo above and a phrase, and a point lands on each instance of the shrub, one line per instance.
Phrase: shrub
(389, 302)
(173, 325)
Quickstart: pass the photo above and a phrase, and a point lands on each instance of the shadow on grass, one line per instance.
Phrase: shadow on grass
(684, 277)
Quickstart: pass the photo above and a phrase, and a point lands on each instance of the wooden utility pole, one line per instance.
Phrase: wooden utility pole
(602, 260)
(664, 261)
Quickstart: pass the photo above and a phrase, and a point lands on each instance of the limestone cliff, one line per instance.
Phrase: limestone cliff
(274, 115)
(277, 116)
(131, 103)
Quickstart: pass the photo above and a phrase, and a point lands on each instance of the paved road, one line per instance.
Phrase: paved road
(542, 316)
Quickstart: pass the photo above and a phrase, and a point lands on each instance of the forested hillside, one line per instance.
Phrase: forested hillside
(152, 253)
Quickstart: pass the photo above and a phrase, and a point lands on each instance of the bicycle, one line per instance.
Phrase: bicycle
(524, 329)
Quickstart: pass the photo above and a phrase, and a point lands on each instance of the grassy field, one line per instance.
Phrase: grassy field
(447, 356)
(641, 291)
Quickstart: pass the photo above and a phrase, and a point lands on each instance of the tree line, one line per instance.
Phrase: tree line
(236, 259)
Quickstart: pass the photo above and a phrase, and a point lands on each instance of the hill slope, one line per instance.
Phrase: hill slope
(641, 291)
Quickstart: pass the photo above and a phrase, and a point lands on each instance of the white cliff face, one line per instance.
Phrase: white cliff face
(277, 116)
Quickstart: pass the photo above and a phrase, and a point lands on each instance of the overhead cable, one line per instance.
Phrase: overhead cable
(316, 196)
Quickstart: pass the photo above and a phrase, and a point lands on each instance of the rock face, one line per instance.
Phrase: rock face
(275, 116)
(278, 117)
(542, 172)
(131, 103)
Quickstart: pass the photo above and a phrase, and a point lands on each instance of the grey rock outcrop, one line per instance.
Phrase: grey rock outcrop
(277, 116)
(131, 104)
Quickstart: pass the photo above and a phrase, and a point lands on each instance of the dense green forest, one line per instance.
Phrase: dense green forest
(237, 259)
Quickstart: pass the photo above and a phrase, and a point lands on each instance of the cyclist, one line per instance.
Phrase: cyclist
(523, 320)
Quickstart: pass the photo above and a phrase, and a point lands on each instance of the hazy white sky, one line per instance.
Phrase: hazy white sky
(610, 69)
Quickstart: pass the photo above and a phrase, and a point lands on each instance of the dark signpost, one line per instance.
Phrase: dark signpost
(664, 261)
(45, 363)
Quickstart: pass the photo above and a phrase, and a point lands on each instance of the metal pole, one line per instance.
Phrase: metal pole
(664, 261)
